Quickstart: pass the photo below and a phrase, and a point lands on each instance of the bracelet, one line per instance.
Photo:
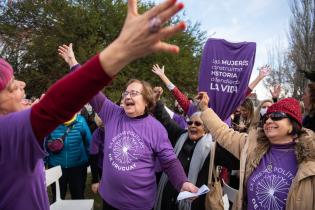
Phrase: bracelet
(170, 86)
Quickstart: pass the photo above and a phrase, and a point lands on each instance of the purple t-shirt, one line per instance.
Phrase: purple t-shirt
(131, 148)
(180, 120)
(269, 184)
(22, 173)
(97, 145)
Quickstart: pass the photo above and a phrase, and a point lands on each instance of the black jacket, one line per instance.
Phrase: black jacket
(309, 122)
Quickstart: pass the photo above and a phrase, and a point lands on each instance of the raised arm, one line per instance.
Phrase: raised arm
(275, 93)
(160, 113)
(181, 98)
(263, 72)
(66, 52)
(229, 139)
(140, 36)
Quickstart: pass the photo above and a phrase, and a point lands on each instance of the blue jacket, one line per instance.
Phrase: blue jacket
(76, 144)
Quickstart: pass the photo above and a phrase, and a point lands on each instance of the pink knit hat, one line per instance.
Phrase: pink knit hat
(6, 73)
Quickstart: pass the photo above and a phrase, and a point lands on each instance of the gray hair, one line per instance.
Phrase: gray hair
(198, 113)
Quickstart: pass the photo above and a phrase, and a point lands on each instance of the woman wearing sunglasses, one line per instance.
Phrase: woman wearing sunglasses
(192, 148)
(277, 162)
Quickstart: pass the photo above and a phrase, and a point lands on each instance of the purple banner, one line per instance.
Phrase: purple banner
(224, 73)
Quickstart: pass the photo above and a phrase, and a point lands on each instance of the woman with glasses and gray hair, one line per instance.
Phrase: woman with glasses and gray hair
(277, 161)
(192, 147)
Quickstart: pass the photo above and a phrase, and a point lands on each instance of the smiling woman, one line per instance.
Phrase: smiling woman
(138, 98)
(271, 158)
(23, 130)
(12, 90)
(192, 148)
(134, 142)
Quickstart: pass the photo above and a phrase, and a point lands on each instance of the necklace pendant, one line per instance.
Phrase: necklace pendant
(269, 167)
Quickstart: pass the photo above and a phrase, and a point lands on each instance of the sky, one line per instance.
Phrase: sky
(265, 22)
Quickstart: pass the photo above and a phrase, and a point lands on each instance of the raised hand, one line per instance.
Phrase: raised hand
(203, 100)
(66, 52)
(142, 35)
(275, 93)
(264, 71)
(158, 91)
(157, 70)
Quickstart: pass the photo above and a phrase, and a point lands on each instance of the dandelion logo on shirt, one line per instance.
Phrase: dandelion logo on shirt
(269, 187)
(124, 150)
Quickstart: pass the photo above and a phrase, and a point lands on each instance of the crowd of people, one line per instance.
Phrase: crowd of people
(141, 152)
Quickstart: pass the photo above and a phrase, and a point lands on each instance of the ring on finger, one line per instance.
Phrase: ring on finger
(155, 24)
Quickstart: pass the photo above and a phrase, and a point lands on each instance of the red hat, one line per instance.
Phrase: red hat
(290, 106)
(6, 73)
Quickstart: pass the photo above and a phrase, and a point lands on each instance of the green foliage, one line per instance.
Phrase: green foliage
(31, 32)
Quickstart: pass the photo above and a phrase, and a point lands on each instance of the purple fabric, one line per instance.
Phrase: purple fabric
(228, 121)
(225, 72)
(268, 187)
(131, 148)
(192, 109)
(97, 145)
(180, 120)
(6, 73)
(22, 169)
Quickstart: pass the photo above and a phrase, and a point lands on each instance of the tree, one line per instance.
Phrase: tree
(302, 38)
(293, 66)
(32, 30)
(282, 71)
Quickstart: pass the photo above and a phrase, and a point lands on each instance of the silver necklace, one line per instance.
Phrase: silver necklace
(270, 165)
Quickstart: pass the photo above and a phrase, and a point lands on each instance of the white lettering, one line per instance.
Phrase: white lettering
(214, 86)
(235, 63)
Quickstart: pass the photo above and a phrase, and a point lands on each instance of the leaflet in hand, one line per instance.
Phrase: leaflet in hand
(185, 194)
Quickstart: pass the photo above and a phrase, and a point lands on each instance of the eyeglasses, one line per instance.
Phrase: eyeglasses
(197, 123)
(275, 116)
(132, 93)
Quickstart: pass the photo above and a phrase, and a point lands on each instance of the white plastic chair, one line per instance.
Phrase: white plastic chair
(231, 192)
(52, 176)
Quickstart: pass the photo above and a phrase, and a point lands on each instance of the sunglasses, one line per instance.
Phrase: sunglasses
(197, 123)
(275, 116)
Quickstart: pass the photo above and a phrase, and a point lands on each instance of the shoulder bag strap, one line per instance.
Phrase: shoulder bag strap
(63, 137)
(211, 165)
